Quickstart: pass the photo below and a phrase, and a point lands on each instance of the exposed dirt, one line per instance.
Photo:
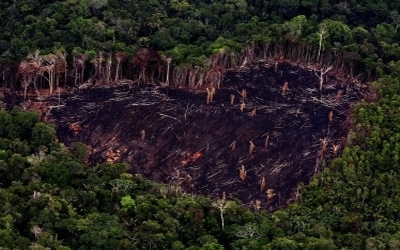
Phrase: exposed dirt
(173, 136)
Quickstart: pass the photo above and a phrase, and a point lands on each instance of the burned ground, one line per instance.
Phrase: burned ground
(173, 136)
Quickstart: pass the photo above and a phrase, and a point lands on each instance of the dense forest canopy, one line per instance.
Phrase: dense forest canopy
(60, 42)
(51, 199)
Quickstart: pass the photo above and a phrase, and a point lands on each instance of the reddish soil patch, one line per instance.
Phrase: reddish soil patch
(173, 136)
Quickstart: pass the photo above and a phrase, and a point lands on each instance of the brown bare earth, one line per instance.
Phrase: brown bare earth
(173, 136)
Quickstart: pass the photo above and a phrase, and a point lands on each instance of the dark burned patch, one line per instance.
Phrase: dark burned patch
(171, 135)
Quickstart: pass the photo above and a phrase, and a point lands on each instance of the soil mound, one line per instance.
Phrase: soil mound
(260, 150)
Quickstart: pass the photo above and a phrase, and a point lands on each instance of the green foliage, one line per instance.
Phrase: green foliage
(223, 44)
(17, 125)
(212, 246)
(127, 203)
(6, 239)
(100, 231)
(81, 152)
(55, 174)
(50, 198)
(191, 31)
(284, 244)
(42, 135)
(109, 172)
(352, 204)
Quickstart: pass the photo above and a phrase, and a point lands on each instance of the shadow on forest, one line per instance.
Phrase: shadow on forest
(173, 136)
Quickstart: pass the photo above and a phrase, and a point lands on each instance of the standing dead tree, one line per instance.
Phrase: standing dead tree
(247, 57)
(214, 76)
(218, 58)
(98, 68)
(48, 70)
(200, 78)
(222, 204)
(321, 74)
(108, 67)
(179, 75)
(79, 64)
(119, 56)
(193, 72)
(168, 61)
(30, 70)
(144, 59)
(61, 67)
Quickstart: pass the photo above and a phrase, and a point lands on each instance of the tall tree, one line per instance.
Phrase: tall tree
(119, 56)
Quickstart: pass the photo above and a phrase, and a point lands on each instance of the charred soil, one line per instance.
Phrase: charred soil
(280, 138)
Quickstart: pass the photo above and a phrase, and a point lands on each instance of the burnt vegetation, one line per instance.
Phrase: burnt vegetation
(282, 136)
(284, 113)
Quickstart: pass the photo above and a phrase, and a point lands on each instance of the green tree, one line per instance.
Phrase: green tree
(127, 203)
(284, 244)
(42, 135)
(99, 231)
(81, 152)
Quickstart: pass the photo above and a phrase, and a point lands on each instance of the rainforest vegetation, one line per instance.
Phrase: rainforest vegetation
(188, 43)
(50, 198)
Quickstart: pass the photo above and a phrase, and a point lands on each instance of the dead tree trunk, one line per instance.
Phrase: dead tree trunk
(108, 68)
(168, 61)
(321, 74)
(119, 57)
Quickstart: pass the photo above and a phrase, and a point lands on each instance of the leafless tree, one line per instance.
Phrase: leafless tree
(143, 58)
(108, 67)
(30, 70)
(321, 74)
(79, 64)
(47, 70)
(222, 204)
(119, 56)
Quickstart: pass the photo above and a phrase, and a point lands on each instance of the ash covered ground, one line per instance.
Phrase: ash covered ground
(172, 136)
